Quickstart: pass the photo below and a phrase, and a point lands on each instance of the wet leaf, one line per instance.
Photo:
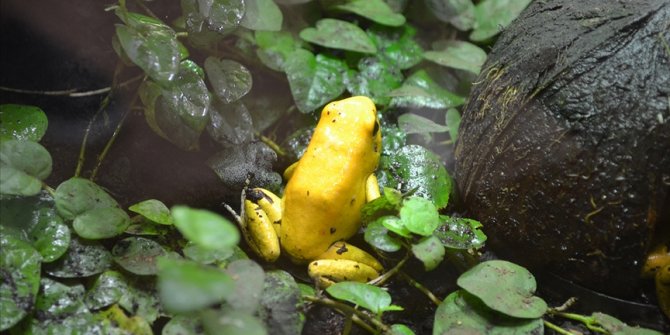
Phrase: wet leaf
(387, 204)
(24, 165)
(58, 300)
(249, 161)
(205, 228)
(138, 255)
(154, 210)
(262, 15)
(222, 16)
(280, 304)
(397, 45)
(82, 259)
(183, 325)
(275, 48)
(460, 13)
(460, 233)
(364, 295)
(76, 196)
(377, 236)
(150, 44)
(419, 216)
(248, 278)
(399, 329)
(453, 121)
(50, 236)
(375, 10)
(417, 124)
(232, 322)
(418, 169)
(504, 287)
(420, 90)
(99, 223)
(107, 290)
(230, 124)
(616, 327)
(458, 55)
(185, 286)
(429, 251)
(20, 266)
(338, 34)
(491, 16)
(230, 80)
(375, 78)
(115, 321)
(22, 122)
(462, 313)
(394, 224)
(314, 81)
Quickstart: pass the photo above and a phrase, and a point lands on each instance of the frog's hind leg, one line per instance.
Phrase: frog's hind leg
(262, 223)
(344, 262)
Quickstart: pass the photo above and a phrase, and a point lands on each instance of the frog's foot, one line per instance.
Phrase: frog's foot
(344, 262)
(262, 219)
(658, 266)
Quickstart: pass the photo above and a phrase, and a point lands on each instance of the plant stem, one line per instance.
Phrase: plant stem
(344, 308)
(272, 144)
(557, 328)
(388, 274)
(421, 288)
(588, 321)
(71, 93)
(49, 189)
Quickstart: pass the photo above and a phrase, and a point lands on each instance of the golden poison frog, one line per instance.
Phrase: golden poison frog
(658, 266)
(322, 201)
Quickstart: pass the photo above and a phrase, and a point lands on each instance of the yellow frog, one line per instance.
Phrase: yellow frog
(323, 197)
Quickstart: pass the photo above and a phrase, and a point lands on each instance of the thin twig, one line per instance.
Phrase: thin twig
(71, 93)
(348, 309)
(421, 288)
(557, 328)
(388, 274)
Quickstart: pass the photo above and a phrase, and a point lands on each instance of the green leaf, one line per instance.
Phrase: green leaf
(230, 124)
(249, 278)
(186, 286)
(99, 223)
(58, 300)
(338, 34)
(275, 48)
(262, 15)
(114, 320)
(429, 251)
(395, 225)
(460, 233)
(251, 161)
(82, 259)
(232, 322)
(462, 313)
(184, 325)
(492, 15)
(24, 165)
(399, 329)
(150, 44)
(230, 80)
(458, 55)
(22, 122)
(504, 287)
(414, 167)
(281, 304)
(420, 90)
(138, 255)
(107, 289)
(314, 81)
(50, 236)
(364, 295)
(615, 327)
(375, 78)
(416, 124)
(20, 266)
(154, 210)
(460, 13)
(397, 45)
(453, 121)
(419, 216)
(206, 256)
(375, 10)
(205, 228)
(222, 16)
(377, 236)
(387, 204)
(76, 196)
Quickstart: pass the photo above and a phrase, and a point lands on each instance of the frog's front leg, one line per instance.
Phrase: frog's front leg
(262, 222)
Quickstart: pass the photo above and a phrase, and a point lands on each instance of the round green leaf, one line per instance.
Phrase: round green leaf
(399, 329)
(58, 300)
(115, 321)
(338, 34)
(397, 45)
(367, 296)
(232, 322)
(76, 196)
(183, 325)
(615, 326)
(207, 229)
(420, 91)
(417, 124)
(262, 15)
(458, 55)
(185, 286)
(462, 313)
(453, 121)
(230, 124)
(460, 13)
(151, 45)
(50, 236)
(460, 233)
(138, 255)
(395, 225)
(429, 251)
(419, 216)
(248, 277)
(274, 48)
(202, 255)
(24, 165)
(108, 289)
(82, 259)
(99, 223)
(20, 265)
(377, 236)
(222, 16)
(22, 122)
(504, 287)
(280, 304)
(154, 210)
(375, 78)
(230, 79)
(314, 81)
(375, 10)
(492, 15)
(420, 170)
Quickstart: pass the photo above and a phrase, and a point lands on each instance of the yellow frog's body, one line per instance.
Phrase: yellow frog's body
(322, 201)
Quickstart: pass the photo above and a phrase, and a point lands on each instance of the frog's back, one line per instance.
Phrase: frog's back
(322, 200)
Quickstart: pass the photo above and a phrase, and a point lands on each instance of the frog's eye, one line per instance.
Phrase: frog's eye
(375, 129)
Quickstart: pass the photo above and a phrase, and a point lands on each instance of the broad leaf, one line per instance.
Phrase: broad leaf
(375, 10)
(24, 165)
(20, 265)
(493, 15)
(205, 228)
(262, 15)
(314, 81)
(229, 79)
(338, 34)
(367, 296)
(458, 55)
(22, 122)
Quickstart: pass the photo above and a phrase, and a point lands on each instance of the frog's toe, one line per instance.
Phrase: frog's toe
(325, 272)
